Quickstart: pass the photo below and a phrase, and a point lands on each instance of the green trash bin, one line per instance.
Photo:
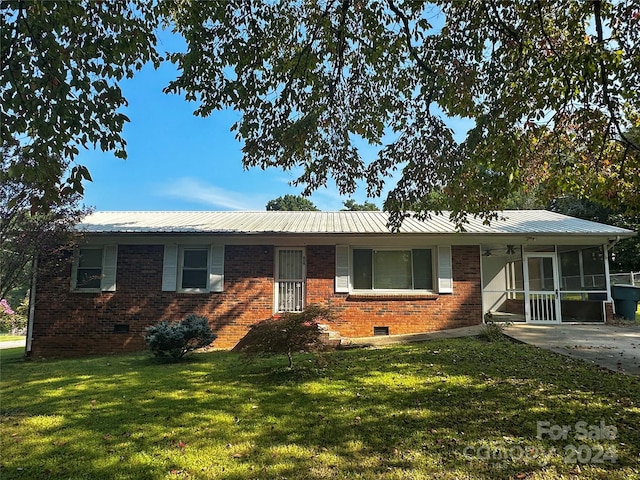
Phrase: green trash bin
(626, 299)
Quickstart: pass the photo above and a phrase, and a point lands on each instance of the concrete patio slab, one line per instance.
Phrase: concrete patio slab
(612, 347)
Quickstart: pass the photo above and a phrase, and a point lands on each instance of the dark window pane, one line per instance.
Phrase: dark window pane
(88, 278)
(422, 271)
(593, 261)
(362, 269)
(90, 257)
(195, 259)
(392, 269)
(570, 278)
(194, 278)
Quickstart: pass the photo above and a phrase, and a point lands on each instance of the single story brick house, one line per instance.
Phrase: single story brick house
(133, 269)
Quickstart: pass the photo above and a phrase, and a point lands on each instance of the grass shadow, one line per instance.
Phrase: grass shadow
(396, 412)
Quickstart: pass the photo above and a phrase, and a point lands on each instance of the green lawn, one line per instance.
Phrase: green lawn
(458, 408)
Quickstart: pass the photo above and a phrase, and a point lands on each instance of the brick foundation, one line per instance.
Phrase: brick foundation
(71, 324)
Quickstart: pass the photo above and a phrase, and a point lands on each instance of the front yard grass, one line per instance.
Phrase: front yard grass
(459, 408)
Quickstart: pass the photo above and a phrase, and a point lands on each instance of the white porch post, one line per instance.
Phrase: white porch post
(607, 280)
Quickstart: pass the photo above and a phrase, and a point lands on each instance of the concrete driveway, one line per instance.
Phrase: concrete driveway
(615, 348)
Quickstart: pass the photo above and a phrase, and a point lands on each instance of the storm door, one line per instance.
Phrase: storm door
(290, 279)
(542, 299)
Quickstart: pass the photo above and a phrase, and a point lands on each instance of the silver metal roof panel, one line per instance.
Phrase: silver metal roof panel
(517, 222)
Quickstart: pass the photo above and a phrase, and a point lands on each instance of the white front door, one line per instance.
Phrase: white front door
(290, 279)
(542, 298)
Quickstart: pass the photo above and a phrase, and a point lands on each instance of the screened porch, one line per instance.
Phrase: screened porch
(544, 283)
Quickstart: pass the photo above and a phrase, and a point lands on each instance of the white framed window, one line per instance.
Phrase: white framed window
(393, 270)
(390, 269)
(94, 269)
(193, 269)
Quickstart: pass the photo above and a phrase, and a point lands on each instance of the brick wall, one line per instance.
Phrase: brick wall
(69, 324)
(401, 314)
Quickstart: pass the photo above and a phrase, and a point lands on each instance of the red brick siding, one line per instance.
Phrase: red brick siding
(608, 312)
(358, 316)
(71, 324)
(68, 323)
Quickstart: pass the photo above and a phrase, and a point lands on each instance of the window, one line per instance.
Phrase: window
(195, 268)
(410, 269)
(89, 271)
(94, 269)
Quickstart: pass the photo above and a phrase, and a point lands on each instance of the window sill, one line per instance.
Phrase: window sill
(86, 290)
(393, 296)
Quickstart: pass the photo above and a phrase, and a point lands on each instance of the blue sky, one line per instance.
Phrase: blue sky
(177, 161)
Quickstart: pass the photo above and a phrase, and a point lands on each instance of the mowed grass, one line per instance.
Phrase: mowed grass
(459, 408)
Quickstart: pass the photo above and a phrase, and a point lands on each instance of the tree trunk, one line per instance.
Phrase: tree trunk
(290, 357)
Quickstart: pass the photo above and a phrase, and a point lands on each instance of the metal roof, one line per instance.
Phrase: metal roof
(511, 222)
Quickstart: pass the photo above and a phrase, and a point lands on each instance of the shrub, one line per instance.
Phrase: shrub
(14, 322)
(492, 332)
(292, 332)
(175, 340)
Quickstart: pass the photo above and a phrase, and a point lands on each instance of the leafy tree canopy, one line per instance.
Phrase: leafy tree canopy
(292, 203)
(24, 233)
(61, 64)
(626, 254)
(551, 88)
(351, 205)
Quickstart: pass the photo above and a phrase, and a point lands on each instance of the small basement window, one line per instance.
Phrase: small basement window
(121, 328)
(379, 331)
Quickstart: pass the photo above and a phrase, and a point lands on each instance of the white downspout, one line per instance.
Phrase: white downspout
(32, 306)
(481, 285)
(607, 278)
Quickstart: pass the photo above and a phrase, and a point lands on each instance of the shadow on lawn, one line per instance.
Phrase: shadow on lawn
(367, 412)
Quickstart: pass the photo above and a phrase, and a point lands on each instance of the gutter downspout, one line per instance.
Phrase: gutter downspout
(32, 306)
(607, 277)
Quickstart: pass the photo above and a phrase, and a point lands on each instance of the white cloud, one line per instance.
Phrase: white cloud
(193, 190)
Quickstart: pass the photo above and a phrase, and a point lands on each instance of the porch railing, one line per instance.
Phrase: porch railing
(630, 278)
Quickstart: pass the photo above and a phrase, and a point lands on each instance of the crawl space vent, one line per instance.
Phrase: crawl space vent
(380, 331)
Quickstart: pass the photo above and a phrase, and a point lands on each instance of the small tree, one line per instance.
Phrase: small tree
(292, 332)
(26, 232)
(13, 321)
(175, 340)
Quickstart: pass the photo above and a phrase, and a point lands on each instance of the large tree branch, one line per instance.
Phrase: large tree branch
(337, 70)
(9, 50)
(303, 53)
(604, 80)
(406, 30)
